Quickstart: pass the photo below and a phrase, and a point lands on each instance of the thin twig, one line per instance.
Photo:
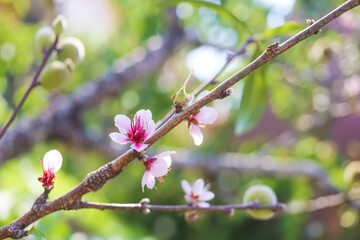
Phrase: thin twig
(210, 82)
(96, 179)
(32, 85)
(177, 208)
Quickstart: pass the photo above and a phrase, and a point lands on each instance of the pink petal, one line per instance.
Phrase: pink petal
(203, 204)
(150, 129)
(206, 115)
(122, 122)
(198, 186)
(201, 95)
(165, 156)
(159, 168)
(196, 134)
(206, 196)
(148, 179)
(119, 138)
(139, 147)
(145, 115)
(52, 160)
(186, 187)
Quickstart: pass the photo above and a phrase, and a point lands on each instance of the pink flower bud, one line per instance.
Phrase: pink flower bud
(51, 163)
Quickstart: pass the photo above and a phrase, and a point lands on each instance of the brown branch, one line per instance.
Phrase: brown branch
(32, 85)
(96, 179)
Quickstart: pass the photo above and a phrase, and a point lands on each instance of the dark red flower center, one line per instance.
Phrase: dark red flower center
(148, 163)
(195, 197)
(137, 130)
(47, 179)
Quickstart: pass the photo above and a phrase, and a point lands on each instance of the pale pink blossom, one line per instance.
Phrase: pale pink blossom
(135, 130)
(197, 194)
(156, 167)
(205, 116)
(51, 163)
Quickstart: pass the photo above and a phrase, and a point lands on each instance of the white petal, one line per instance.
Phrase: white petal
(150, 129)
(52, 160)
(206, 115)
(186, 187)
(198, 186)
(145, 115)
(188, 199)
(165, 156)
(159, 168)
(203, 204)
(206, 196)
(201, 95)
(148, 179)
(196, 134)
(119, 138)
(122, 122)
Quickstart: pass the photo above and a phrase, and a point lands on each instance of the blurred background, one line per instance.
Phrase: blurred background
(292, 125)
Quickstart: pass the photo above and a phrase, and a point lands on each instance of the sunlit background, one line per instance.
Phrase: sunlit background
(302, 107)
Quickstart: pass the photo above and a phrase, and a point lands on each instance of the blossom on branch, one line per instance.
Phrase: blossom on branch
(51, 163)
(156, 167)
(197, 194)
(205, 116)
(135, 130)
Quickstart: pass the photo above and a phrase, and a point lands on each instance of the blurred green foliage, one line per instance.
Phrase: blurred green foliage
(296, 93)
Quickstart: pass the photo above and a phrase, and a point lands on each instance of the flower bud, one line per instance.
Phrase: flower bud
(59, 24)
(55, 75)
(263, 195)
(72, 48)
(181, 98)
(352, 172)
(45, 37)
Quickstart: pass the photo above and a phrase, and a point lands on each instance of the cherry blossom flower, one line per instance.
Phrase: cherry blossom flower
(205, 116)
(135, 130)
(156, 167)
(50, 165)
(197, 194)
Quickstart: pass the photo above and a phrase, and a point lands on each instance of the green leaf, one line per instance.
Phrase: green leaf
(37, 233)
(253, 101)
(218, 8)
(286, 29)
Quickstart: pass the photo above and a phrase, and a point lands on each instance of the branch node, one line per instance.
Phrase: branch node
(229, 212)
(17, 233)
(95, 180)
(227, 92)
(270, 50)
(310, 22)
(144, 205)
(43, 197)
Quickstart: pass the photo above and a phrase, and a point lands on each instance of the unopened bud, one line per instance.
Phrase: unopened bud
(261, 195)
(144, 201)
(45, 37)
(191, 216)
(59, 24)
(72, 48)
(55, 75)
(145, 211)
(181, 98)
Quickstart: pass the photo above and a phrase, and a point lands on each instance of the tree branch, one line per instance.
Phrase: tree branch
(32, 85)
(96, 179)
